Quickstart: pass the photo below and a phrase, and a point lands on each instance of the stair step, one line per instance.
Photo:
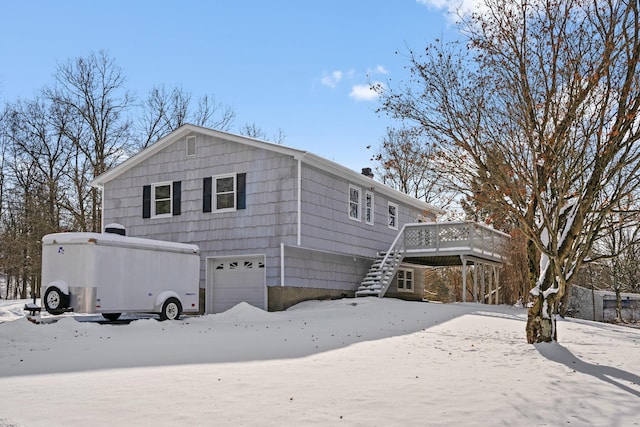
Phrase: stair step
(382, 270)
(367, 294)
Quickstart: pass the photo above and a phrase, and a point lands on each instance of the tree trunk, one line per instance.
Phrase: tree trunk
(618, 305)
(541, 321)
(541, 318)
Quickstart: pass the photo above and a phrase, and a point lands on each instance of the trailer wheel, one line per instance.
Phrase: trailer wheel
(55, 301)
(111, 316)
(171, 309)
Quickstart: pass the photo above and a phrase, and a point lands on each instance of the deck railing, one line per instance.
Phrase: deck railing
(454, 238)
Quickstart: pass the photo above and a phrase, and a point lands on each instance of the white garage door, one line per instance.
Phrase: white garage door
(232, 280)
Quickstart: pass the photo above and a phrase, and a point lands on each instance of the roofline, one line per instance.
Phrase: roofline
(184, 130)
(304, 156)
(356, 177)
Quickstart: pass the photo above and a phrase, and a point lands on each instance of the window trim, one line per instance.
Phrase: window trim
(358, 204)
(395, 225)
(154, 200)
(214, 193)
(404, 280)
(369, 210)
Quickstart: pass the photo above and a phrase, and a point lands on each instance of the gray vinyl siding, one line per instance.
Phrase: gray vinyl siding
(325, 216)
(308, 268)
(269, 219)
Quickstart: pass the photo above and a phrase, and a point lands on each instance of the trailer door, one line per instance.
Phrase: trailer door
(231, 280)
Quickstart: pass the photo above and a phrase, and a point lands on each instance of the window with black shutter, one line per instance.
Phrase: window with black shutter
(161, 199)
(223, 193)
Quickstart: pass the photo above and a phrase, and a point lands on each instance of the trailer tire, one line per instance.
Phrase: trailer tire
(111, 316)
(171, 309)
(55, 301)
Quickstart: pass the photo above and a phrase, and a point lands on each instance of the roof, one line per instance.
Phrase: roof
(304, 156)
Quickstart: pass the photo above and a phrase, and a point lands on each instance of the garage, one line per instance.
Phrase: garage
(231, 280)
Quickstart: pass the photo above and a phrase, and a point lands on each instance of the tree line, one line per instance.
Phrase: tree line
(72, 130)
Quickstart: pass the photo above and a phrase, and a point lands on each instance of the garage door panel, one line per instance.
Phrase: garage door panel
(233, 280)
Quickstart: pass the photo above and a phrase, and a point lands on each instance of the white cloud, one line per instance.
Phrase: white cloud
(455, 8)
(378, 70)
(332, 79)
(365, 92)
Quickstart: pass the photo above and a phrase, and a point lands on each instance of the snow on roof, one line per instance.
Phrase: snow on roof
(112, 239)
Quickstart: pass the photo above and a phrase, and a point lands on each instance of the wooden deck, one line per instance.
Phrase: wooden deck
(442, 244)
(451, 243)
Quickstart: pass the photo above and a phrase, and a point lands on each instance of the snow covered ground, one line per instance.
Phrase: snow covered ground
(351, 362)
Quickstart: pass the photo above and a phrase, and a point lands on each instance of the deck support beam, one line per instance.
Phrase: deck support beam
(483, 283)
(475, 283)
(464, 277)
(496, 275)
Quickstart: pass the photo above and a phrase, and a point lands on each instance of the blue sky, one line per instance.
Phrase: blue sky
(301, 66)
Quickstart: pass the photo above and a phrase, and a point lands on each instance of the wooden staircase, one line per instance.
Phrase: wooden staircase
(379, 277)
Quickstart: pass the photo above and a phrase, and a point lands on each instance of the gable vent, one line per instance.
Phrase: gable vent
(191, 146)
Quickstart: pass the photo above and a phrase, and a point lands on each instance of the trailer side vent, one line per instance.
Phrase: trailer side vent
(115, 229)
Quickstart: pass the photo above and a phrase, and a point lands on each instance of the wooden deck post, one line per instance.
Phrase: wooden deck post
(464, 278)
(483, 287)
(490, 299)
(475, 282)
(496, 274)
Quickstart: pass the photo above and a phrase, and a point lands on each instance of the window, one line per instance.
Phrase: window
(191, 146)
(354, 203)
(393, 216)
(405, 280)
(368, 207)
(161, 199)
(224, 193)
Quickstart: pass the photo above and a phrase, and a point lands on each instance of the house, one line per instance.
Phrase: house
(275, 225)
(599, 305)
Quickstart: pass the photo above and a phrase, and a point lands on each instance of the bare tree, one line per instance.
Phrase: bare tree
(253, 131)
(543, 103)
(23, 223)
(37, 133)
(164, 111)
(212, 114)
(414, 167)
(91, 89)
(4, 144)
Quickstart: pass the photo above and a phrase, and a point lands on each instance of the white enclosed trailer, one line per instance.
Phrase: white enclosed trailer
(110, 274)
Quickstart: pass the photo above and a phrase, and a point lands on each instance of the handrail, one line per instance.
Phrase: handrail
(446, 236)
(392, 249)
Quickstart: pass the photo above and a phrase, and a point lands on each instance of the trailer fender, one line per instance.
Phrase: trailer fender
(165, 295)
(60, 284)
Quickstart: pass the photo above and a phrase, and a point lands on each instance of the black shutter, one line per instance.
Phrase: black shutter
(146, 201)
(241, 195)
(207, 187)
(177, 196)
